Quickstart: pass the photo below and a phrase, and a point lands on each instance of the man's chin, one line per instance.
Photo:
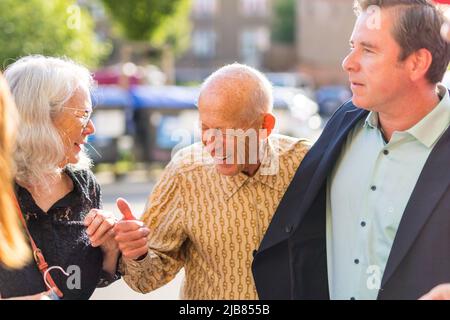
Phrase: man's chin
(360, 102)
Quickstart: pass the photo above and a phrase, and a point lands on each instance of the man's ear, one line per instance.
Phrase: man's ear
(419, 64)
(269, 123)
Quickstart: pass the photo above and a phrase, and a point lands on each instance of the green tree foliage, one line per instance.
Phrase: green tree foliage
(283, 28)
(175, 30)
(158, 22)
(51, 27)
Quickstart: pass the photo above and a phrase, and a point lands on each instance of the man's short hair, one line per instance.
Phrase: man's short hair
(418, 26)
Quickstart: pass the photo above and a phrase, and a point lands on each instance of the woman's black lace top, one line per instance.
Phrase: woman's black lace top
(61, 235)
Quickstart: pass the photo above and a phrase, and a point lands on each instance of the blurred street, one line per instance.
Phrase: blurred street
(130, 83)
(145, 98)
(135, 187)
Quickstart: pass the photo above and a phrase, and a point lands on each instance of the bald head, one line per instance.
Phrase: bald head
(237, 92)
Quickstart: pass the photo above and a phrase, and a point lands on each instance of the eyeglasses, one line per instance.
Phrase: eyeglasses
(84, 115)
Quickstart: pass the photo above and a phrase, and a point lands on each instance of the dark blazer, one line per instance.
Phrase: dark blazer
(291, 262)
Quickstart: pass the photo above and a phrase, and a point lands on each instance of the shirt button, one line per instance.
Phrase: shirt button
(356, 261)
(373, 188)
(363, 224)
(385, 152)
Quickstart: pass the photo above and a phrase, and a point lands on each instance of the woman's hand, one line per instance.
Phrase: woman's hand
(100, 224)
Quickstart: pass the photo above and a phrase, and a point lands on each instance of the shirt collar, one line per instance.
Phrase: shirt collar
(372, 120)
(431, 127)
(267, 173)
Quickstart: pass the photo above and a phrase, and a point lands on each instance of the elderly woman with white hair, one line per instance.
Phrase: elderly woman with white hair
(58, 195)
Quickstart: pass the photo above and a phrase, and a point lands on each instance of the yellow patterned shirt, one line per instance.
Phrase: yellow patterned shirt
(210, 224)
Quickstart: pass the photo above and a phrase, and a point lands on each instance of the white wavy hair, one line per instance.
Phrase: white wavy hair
(41, 86)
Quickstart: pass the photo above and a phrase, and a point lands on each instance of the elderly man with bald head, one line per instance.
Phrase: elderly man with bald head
(215, 199)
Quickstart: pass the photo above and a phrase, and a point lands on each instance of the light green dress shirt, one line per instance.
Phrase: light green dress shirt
(367, 193)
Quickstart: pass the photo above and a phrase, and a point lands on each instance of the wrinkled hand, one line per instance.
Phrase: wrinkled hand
(100, 224)
(131, 234)
(440, 292)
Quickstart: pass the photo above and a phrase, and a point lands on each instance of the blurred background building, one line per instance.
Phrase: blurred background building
(323, 32)
(149, 58)
(225, 31)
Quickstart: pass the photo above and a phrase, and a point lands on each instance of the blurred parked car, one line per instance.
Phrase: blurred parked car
(330, 98)
(297, 114)
(166, 119)
(112, 118)
(133, 74)
(292, 80)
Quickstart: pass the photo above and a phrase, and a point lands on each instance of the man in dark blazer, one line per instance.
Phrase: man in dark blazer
(367, 215)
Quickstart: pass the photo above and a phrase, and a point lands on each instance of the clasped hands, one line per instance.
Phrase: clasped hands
(128, 234)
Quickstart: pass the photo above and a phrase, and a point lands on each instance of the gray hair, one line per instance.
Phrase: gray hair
(41, 87)
(260, 98)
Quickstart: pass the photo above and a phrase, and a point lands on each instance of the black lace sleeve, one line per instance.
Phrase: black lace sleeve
(94, 194)
(106, 279)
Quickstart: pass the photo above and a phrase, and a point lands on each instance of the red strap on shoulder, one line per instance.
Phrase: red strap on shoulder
(37, 254)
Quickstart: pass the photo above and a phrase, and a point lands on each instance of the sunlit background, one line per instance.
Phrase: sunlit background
(149, 58)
